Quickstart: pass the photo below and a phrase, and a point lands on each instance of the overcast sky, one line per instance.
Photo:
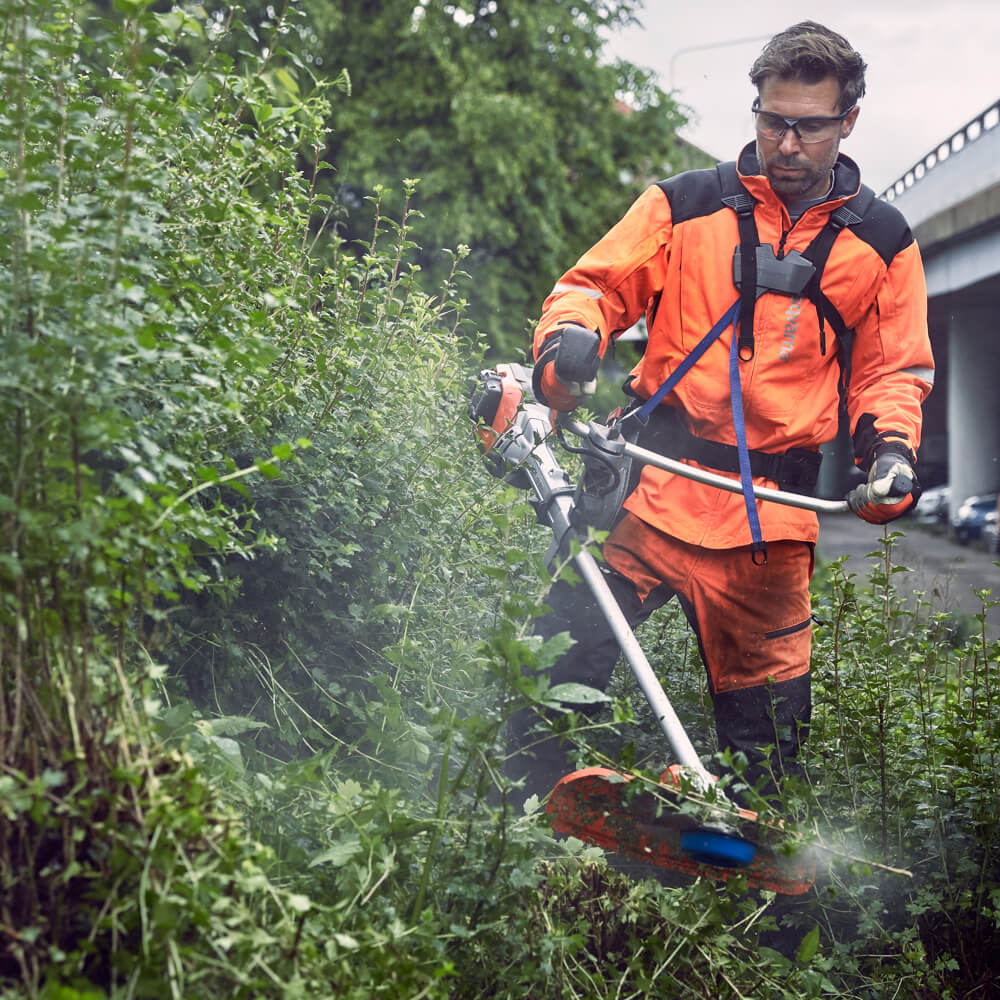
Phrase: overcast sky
(932, 66)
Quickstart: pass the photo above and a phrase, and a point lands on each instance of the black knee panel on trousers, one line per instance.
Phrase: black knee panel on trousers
(773, 715)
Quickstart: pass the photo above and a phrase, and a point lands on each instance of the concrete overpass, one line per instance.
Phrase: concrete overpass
(951, 199)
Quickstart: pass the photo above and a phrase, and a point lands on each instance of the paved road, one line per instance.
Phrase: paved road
(948, 574)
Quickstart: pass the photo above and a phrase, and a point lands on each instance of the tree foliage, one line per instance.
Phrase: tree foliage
(527, 142)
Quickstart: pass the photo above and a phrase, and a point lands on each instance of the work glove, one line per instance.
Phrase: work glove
(892, 487)
(566, 369)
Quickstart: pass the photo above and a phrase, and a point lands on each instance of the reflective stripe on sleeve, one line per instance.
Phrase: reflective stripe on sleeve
(591, 292)
(925, 374)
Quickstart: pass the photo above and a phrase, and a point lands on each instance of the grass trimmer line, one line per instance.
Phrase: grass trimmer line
(684, 822)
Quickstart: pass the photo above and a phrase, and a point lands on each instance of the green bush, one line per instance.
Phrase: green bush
(168, 343)
(263, 614)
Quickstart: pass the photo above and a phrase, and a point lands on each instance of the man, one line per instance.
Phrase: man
(833, 287)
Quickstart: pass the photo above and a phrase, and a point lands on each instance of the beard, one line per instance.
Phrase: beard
(793, 177)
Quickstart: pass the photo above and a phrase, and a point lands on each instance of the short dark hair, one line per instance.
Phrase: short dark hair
(811, 52)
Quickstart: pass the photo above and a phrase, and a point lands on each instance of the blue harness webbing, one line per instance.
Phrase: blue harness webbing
(642, 414)
(731, 317)
(757, 548)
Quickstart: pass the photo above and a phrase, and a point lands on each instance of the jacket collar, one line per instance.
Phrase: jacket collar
(846, 178)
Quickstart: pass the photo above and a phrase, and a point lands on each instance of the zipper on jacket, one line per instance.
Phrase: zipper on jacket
(781, 244)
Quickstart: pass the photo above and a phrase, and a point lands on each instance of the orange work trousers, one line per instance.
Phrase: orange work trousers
(753, 628)
(753, 623)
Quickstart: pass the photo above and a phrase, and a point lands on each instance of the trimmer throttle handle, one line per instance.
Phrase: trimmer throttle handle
(485, 395)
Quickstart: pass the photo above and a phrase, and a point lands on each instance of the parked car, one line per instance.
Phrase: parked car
(933, 506)
(991, 532)
(967, 522)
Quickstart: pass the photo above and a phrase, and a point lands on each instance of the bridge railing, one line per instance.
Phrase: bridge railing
(955, 143)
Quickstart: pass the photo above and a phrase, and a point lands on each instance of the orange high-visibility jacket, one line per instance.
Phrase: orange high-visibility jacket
(670, 259)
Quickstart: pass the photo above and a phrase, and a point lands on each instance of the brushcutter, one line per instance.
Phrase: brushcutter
(684, 822)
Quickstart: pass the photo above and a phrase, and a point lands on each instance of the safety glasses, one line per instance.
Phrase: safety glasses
(811, 129)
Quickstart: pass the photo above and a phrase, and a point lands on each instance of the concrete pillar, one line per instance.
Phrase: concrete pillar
(973, 402)
(932, 456)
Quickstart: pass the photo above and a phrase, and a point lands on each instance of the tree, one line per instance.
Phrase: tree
(527, 144)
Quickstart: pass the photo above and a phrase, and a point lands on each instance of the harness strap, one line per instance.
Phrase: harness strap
(736, 197)
(758, 549)
(642, 413)
(795, 470)
(817, 252)
(850, 213)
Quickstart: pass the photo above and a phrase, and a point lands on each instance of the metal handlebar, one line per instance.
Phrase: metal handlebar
(607, 441)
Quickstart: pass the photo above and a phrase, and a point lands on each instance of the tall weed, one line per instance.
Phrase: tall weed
(901, 756)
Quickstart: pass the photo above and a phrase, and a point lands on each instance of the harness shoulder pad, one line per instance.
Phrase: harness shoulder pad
(734, 194)
(854, 210)
(882, 227)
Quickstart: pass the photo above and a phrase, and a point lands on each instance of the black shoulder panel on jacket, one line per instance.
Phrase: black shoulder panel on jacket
(697, 193)
(692, 194)
(884, 229)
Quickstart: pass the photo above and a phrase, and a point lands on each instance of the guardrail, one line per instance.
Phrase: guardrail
(955, 143)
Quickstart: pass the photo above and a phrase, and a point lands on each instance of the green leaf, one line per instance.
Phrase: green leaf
(808, 946)
(299, 903)
(201, 91)
(575, 694)
(229, 725)
(339, 854)
(229, 749)
(287, 81)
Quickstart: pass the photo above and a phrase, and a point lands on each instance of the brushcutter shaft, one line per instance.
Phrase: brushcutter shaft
(525, 447)
(666, 717)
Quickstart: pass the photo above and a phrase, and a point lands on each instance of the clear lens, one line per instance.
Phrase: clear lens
(772, 126)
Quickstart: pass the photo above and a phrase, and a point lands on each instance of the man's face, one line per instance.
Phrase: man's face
(798, 170)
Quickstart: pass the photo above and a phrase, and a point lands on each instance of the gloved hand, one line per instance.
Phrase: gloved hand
(566, 369)
(892, 487)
